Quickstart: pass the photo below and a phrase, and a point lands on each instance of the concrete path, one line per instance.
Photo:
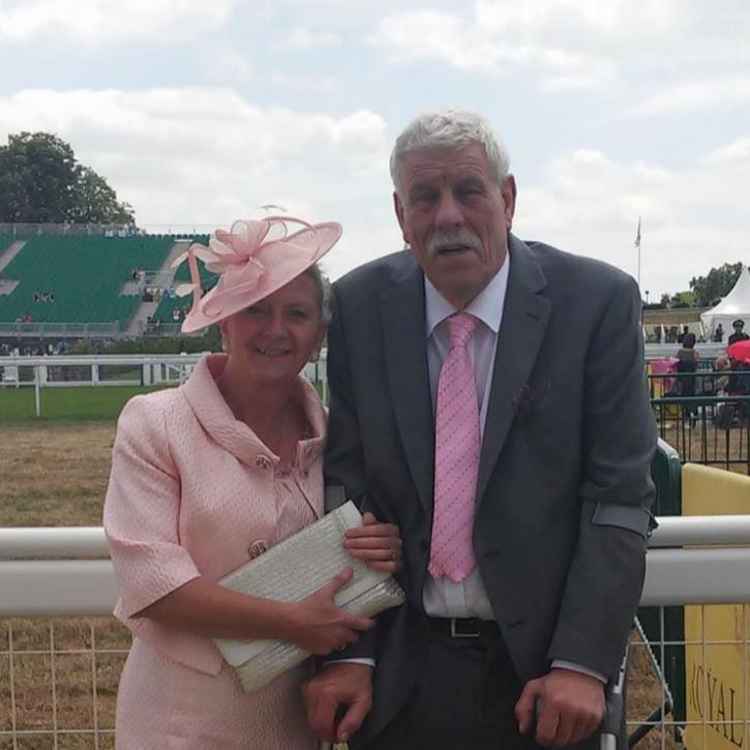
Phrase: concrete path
(137, 324)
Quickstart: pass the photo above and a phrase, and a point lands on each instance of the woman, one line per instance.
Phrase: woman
(207, 476)
(687, 362)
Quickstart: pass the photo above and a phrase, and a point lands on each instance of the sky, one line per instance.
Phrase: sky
(198, 112)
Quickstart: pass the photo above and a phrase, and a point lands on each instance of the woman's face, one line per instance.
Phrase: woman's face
(274, 338)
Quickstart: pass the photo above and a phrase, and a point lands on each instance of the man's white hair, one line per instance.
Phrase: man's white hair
(451, 128)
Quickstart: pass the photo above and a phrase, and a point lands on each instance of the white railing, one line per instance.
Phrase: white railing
(152, 369)
(19, 330)
(65, 572)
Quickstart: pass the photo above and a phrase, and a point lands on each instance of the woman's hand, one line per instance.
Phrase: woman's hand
(317, 625)
(377, 544)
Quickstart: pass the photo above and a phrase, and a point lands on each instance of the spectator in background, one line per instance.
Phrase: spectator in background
(722, 365)
(719, 333)
(739, 333)
(687, 363)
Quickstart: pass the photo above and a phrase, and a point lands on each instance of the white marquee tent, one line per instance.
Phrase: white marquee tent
(735, 305)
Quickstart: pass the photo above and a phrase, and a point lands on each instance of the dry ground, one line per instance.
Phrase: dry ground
(56, 475)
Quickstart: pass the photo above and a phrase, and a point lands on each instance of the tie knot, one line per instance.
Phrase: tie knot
(461, 327)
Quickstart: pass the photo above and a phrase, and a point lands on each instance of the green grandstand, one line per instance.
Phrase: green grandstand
(78, 279)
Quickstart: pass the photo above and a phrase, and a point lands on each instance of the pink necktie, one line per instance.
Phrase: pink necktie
(456, 457)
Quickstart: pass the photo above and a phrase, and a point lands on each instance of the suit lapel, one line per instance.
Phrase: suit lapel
(402, 309)
(524, 323)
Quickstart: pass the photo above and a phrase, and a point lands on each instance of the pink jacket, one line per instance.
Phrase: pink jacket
(195, 492)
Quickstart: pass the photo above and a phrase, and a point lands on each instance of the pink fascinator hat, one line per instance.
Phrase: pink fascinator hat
(253, 259)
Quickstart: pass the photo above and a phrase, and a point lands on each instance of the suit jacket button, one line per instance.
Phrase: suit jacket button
(257, 548)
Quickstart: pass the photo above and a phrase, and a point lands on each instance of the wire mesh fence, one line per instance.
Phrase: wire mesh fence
(692, 689)
(58, 682)
(687, 684)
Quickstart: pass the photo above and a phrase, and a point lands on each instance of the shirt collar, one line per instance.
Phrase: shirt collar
(487, 305)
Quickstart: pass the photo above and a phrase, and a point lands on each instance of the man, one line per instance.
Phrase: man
(488, 396)
(739, 333)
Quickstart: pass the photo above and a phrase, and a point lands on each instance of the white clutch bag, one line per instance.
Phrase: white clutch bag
(291, 571)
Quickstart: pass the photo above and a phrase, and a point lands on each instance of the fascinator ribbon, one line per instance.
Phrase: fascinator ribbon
(232, 255)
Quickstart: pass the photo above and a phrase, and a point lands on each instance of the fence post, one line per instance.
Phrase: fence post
(37, 392)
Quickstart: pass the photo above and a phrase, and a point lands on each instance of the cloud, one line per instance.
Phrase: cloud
(733, 153)
(722, 93)
(470, 45)
(304, 38)
(204, 157)
(693, 217)
(545, 17)
(100, 21)
(585, 44)
(304, 83)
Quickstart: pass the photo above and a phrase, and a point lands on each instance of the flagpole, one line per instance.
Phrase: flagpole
(639, 265)
(638, 246)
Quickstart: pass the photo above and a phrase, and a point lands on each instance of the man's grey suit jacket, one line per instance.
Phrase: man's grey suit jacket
(564, 488)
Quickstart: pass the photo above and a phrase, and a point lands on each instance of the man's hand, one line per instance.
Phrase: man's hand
(569, 707)
(376, 544)
(342, 688)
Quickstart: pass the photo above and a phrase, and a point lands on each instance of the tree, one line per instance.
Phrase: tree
(41, 181)
(96, 202)
(682, 299)
(718, 283)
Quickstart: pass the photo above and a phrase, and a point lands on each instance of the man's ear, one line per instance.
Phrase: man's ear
(398, 207)
(508, 190)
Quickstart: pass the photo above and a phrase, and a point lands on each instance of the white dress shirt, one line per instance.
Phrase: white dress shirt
(442, 597)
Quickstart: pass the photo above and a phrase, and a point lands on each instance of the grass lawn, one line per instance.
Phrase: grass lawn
(70, 404)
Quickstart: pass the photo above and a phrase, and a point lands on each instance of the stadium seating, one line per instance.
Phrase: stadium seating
(167, 304)
(85, 275)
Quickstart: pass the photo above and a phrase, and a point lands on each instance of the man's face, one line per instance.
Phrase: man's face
(455, 218)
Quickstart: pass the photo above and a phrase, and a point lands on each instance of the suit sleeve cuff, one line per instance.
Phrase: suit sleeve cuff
(366, 662)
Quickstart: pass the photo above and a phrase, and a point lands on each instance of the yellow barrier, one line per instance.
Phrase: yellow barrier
(716, 657)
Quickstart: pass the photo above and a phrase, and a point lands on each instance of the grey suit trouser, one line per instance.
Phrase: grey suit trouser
(464, 698)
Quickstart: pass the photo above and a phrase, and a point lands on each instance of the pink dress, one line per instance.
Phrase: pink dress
(195, 492)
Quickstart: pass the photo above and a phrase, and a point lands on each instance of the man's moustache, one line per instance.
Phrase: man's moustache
(448, 241)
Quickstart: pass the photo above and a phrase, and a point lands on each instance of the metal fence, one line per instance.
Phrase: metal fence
(41, 707)
(12, 330)
(705, 416)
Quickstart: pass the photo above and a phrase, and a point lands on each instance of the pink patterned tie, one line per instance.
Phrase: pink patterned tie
(457, 444)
